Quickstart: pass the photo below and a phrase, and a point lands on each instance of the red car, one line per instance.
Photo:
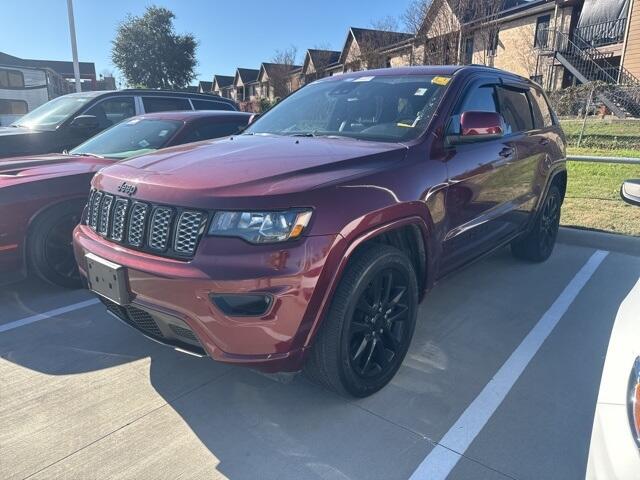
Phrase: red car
(308, 240)
(42, 196)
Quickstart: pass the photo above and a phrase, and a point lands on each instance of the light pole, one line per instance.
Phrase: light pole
(74, 47)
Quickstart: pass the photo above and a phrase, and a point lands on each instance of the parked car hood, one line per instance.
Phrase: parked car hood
(6, 131)
(24, 141)
(15, 170)
(248, 166)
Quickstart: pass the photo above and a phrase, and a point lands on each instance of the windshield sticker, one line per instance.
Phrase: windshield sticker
(364, 79)
(441, 80)
(163, 133)
(420, 91)
(143, 143)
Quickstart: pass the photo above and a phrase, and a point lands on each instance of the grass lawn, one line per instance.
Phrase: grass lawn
(593, 191)
(593, 197)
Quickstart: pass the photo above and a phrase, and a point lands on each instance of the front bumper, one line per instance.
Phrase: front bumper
(176, 293)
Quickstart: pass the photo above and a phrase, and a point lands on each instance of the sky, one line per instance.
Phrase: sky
(231, 34)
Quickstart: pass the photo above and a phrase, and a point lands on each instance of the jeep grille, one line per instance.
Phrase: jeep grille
(160, 229)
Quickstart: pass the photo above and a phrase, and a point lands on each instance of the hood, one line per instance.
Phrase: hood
(22, 169)
(249, 165)
(24, 141)
(14, 131)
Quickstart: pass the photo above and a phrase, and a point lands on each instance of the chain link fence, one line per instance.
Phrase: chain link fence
(587, 121)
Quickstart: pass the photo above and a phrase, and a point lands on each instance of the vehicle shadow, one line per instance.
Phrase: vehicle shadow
(250, 425)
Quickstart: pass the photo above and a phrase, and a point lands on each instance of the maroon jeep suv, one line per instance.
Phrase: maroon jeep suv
(308, 240)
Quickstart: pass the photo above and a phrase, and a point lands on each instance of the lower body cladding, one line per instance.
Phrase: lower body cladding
(254, 305)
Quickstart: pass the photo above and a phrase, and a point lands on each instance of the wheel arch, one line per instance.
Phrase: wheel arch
(415, 231)
(77, 200)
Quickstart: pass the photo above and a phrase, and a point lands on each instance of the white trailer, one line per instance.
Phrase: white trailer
(23, 89)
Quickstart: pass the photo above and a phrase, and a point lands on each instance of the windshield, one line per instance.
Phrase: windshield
(131, 137)
(378, 108)
(53, 113)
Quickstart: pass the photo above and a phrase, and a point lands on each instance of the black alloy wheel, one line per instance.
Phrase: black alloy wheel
(537, 245)
(377, 333)
(368, 329)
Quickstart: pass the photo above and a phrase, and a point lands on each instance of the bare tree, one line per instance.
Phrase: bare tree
(280, 70)
(413, 17)
(450, 31)
(386, 24)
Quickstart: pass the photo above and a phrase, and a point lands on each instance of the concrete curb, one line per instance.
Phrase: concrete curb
(600, 240)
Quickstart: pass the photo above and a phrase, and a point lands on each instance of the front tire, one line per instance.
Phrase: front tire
(49, 245)
(369, 326)
(538, 244)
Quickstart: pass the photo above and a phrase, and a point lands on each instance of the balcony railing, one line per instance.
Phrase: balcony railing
(605, 33)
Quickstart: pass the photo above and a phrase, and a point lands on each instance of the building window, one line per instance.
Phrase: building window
(492, 47)
(13, 107)
(468, 51)
(542, 31)
(11, 79)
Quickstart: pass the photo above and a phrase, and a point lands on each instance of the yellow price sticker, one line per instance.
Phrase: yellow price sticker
(441, 80)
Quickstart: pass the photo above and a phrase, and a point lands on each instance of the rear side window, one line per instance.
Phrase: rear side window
(514, 107)
(541, 110)
(210, 105)
(207, 131)
(165, 104)
(481, 99)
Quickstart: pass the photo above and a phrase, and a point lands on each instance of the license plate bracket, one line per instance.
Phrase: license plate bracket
(107, 279)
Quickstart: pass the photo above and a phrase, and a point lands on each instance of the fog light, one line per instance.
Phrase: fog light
(241, 305)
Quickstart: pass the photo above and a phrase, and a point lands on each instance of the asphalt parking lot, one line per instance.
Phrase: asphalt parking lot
(501, 382)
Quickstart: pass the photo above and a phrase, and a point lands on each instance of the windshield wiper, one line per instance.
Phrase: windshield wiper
(305, 134)
(94, 155)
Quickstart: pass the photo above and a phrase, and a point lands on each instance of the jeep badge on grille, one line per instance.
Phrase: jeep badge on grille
(127, 188)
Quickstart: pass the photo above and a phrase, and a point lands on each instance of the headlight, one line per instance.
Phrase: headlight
(261, 227)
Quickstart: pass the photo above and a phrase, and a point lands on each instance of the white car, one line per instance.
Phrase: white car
(615, 439)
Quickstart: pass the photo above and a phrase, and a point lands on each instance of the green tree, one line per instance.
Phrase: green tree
(149, 52)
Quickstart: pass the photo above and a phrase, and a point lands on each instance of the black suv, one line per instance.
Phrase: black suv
(67, 121)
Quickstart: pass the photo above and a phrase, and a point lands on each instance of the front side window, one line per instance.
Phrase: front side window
(208, 131)
(165, 104)
(53, 113)
(514, 107)
(13, 107)
(481, 99)
(112, 111)
(129, 138)
(378, 108)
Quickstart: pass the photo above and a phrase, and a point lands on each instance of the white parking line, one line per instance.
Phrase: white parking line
(43, 316)
(444, 457)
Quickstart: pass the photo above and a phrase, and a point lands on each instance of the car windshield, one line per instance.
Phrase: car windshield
(131, 137)
(50, 115)
(378, 108)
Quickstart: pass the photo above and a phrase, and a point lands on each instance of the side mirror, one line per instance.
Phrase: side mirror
(473, 127)
(630, 192)
(253, 118)
(85, 122)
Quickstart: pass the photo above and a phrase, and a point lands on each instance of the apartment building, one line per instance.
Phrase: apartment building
(557, 43)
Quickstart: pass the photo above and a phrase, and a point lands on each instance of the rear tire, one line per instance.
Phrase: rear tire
(369, 326)
(538, 244)
(49, 245)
